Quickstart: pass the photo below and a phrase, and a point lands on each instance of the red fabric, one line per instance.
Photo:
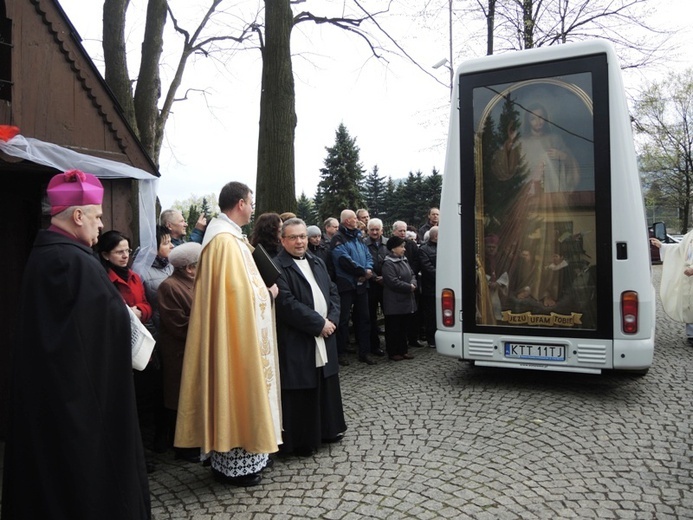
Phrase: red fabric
(132, 292)
(7, 132)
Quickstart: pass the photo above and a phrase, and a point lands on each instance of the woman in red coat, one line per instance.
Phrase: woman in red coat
(114, 253)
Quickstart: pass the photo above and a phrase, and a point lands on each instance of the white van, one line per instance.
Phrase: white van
(543, 260)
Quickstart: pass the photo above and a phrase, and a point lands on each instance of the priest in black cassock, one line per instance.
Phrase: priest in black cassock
(307, 310)
(73, 448)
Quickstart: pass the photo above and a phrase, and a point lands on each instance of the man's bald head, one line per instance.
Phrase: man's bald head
(348, 218)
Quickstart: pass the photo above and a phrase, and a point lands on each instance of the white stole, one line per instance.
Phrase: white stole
(320, 306)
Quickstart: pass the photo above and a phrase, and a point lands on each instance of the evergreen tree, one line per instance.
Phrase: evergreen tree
(206, 208)
(193, 214)
(500, 190)
(410, 200)
(317, 203)
(374, 193)
(429, 197)
(432, 186)
(420, 207)
(341, 176)
(193, 207)
(390, 203)
(305, 210)
(409, 194)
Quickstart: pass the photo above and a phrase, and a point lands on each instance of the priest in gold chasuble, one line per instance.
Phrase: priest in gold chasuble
(230, 404)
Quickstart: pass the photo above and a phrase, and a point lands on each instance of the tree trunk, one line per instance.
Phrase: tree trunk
(490, 25)
(528, 23)
(685, 218)
(116, 72)
(275, 154)
(148, 90)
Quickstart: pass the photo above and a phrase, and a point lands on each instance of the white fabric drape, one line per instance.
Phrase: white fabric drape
(63, 159)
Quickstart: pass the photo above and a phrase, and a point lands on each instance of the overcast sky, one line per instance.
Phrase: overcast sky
(397, 113)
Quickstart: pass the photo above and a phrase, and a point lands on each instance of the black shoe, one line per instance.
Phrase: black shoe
(253, 479)
(417, 344)
(160, 445)
(187, 454)
(303, 451)
(269, 465)
(367, 360)
(163, 439)
(244, 481)
(378, 352)
(343, 361)
(332, 440)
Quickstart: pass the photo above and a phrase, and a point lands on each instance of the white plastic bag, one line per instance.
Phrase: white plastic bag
(142, 342)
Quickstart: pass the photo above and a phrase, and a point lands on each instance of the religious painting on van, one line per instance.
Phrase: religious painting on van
(534, 203)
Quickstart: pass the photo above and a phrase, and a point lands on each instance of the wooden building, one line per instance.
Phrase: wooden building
(51, 90)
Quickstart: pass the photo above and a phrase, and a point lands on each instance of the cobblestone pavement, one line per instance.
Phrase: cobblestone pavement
(435, 438)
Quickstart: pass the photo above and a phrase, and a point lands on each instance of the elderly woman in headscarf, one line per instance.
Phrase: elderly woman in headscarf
(175, 296)
(315, 244)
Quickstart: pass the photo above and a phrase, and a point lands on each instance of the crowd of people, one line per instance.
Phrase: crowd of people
(377, 276)
(244, 365)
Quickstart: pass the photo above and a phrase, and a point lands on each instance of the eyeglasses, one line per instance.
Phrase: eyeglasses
(293, 238)
(122, 252)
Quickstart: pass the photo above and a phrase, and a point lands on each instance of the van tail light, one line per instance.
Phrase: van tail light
(629, 312)
(447, 304)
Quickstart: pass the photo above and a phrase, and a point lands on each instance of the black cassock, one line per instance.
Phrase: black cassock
(73, 449)
(311, 397)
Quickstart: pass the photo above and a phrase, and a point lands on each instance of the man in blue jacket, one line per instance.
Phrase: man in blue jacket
(353, 268)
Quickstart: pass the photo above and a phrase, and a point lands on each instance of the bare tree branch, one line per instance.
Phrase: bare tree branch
(397, 45)
(348, 24)
(187, 91)
(535, 23)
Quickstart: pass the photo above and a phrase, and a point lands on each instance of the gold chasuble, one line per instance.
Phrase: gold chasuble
(229, 395)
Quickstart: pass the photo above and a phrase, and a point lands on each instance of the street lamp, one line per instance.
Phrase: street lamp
(445, 63)
(448, 61)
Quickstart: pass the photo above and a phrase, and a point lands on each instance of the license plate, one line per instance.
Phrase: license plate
(536, 352)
